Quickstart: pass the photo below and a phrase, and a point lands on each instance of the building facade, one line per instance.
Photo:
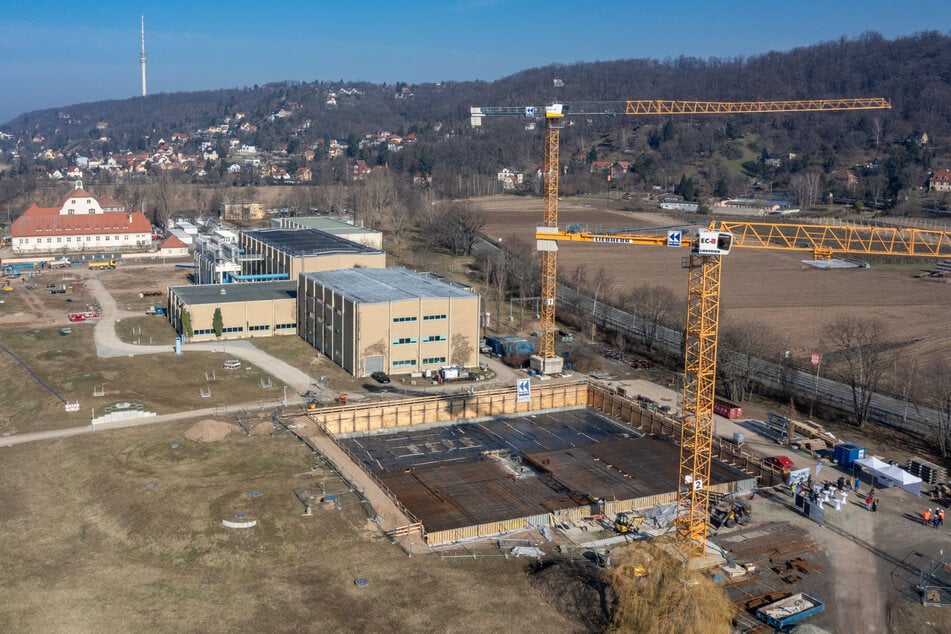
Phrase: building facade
(268, 253)
(80, 223)
(390, 320)
(243, 211)
(260, 309)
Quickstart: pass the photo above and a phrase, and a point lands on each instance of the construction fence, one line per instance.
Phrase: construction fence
(388, 416)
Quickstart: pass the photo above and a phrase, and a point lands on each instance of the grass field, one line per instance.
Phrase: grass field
(121, 532)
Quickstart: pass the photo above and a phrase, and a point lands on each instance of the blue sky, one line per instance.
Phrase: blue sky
(55, 54)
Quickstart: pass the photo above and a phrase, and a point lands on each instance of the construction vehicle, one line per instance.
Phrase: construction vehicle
(103, 264)
(703, 291)
(730, 514)
(625, 523)
(59, 263)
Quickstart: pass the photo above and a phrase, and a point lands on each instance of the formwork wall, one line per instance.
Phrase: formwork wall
(627, 410)
(447, 408)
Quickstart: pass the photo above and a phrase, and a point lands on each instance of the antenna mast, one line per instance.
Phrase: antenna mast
(142, 58)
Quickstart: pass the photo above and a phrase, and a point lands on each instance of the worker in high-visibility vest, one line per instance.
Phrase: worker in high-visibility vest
(926, 517)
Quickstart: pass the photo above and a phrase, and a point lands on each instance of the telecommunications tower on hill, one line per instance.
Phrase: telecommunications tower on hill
(142, 58)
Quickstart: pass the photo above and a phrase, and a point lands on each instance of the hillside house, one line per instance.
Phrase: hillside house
(940, 181)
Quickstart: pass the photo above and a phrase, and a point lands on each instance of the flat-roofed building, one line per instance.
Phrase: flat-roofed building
(268, 252)
(255, 309)
(345, 230)
(390, 320)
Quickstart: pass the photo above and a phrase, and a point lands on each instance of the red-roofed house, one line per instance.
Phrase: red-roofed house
(80, 223)
(172, 247)
(940, 181)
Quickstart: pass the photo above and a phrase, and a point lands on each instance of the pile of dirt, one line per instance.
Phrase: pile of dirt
(209, 430)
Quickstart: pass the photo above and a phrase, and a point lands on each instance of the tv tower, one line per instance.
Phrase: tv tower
(142, 58)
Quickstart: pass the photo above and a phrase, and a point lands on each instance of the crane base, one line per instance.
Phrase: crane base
(546, 365)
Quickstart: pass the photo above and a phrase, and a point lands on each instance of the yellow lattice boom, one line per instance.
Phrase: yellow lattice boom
(659, 106)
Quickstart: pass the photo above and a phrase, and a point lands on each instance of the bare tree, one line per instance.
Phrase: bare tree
(375, 197)
(461, 350)
(937, 389)
(805, 187)
(654, 306)
(401, 224)
(165, 193)
(858, 359)
(739, 348)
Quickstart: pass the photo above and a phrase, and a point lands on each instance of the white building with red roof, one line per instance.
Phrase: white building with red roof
(80, 223)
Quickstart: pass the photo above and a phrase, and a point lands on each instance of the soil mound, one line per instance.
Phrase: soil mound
(208, 431)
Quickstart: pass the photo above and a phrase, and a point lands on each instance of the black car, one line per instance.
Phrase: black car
(380, 377)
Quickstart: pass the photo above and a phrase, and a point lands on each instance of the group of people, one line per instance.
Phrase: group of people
(935, 518)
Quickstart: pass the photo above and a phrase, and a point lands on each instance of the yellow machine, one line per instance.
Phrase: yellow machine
(625, 523)
(105, 264)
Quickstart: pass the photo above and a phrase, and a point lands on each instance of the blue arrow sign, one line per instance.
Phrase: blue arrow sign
(673, 238)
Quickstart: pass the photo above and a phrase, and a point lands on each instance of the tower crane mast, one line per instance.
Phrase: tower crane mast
(703, 294)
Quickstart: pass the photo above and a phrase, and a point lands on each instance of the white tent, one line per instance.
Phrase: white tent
(890, 475)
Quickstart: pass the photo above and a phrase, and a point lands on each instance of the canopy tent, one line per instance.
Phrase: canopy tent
(890, 475)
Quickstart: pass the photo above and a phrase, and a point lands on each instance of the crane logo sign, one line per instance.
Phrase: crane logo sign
(714, 243)
(674, 238)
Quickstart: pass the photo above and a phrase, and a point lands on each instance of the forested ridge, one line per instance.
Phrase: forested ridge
(891, 153)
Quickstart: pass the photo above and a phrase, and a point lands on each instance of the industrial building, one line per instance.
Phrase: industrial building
(360, 235)
(390, 320)
(259, 309)
(286, 253)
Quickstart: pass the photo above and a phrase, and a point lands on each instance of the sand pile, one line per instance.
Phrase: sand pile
(208, 430)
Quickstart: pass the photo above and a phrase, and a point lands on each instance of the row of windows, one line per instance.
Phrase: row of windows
(408, 363)
(403, 340)
(397, 320)
(433, 360)
(433, 317)
(59, 239)
(432, 338)
(258, 328)
(292, 326)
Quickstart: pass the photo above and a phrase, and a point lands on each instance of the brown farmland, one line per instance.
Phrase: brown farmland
(777, 288)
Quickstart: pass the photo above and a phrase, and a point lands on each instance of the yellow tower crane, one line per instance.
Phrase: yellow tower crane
(703, 306)
(546, 362)
(703, 303)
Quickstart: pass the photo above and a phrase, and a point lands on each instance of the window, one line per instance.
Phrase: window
(433, 360)
(404, 340)
(433, 317)
(48, 240)
(407, 363)
(258, 328)
(204, 331)
(107, 238)
(233, 329)
(285, 327)
(432, 338)
(397, 320)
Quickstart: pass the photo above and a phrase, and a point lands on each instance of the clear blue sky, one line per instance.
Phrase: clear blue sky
(55, 54)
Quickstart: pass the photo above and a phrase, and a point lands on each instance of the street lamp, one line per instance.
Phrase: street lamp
(816, 361)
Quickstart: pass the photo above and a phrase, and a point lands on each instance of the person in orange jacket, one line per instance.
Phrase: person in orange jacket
(926, 517)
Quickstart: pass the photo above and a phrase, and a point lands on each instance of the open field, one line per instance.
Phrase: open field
(795, 299)
(121, 531)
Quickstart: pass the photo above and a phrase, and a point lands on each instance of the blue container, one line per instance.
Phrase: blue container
(847, 453)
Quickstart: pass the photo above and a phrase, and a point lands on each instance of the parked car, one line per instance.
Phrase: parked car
(231, 364)
(780, 462)
(380, 377)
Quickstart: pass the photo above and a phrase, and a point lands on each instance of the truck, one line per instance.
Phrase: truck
(103, 264)
(59, 263)
(18, 268)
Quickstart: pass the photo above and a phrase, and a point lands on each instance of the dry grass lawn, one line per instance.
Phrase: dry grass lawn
(121, 532)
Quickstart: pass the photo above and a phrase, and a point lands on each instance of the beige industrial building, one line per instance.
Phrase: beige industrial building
(243, 211)
(286, 253)
(393, 320)
(253, 309)
(361, 235)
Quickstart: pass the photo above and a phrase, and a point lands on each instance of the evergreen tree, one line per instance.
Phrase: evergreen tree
(217, 322)
(187, 324)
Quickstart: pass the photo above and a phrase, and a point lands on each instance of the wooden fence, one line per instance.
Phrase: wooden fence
(385, 416)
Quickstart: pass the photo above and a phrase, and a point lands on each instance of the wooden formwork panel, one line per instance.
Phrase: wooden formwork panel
(359, 418)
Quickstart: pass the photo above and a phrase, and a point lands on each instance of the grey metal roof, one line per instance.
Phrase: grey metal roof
(376, 286)
(302, 242)
(328, 224)
(239, 292)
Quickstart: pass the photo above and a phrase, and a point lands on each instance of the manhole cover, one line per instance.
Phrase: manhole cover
(362, 581)
(240, 516)
(255, 494)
